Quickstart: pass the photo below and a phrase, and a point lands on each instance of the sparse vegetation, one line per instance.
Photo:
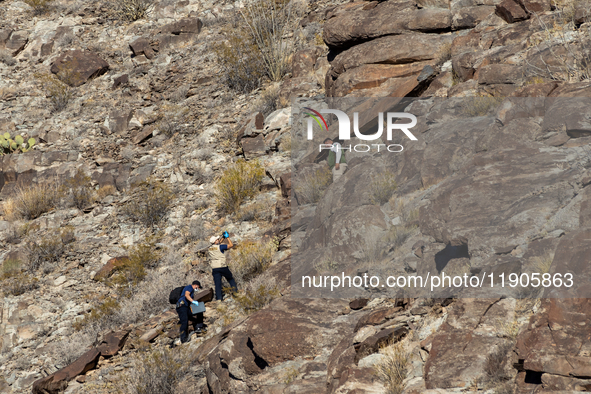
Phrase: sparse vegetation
(257, 293)
(172, 119)
(6, 58)
(239, 181)
(310, 186)
(326, 266)
(78, 190)
(260, 44)
(104, 191)
(269, 101)
(132, 10)
(495, 363)
(59, 93)
(481, 105)
(194, 230)
(19, 283)
(39, 6)
(444, 54)
(251, 259)
(393, 368)
(98, 314)
(157, 372)
(150, 203)
(261, 210)
(142, 257)
(382, 187)
(30, 202)
(48, 250)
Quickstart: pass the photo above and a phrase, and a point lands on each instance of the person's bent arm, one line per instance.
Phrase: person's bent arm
(230, 244)
(188, 296)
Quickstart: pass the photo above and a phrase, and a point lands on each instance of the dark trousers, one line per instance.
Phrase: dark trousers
(217, 279)
(185, 316)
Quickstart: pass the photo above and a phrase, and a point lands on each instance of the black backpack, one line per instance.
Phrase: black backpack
(175, 295)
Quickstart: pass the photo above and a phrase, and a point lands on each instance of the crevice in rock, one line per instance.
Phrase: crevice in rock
(449, 253)
(533, 377)
(258, 360)
(225, 366)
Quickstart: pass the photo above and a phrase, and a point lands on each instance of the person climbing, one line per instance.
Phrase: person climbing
(218, 264)
(336, 159)
(184, 311)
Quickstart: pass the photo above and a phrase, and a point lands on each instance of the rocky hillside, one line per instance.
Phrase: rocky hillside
(139, 124)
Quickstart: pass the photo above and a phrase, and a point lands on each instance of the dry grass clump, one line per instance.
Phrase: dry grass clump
(258, 293)
(239, 181)
(443, 54)
(104, 191)
(46, 251)
(142, 257)
(310, 186)
(78, 190)
(261, 210)
(132, 10)
(39, 6)
(150, 203)
(393, 368)
(251, 259)
(382, 187)
(157, 372)
(19, 283)
(269, 101)
(494, 367)
(30, 202)
(482, 105)
(172, 118)
(59, 93)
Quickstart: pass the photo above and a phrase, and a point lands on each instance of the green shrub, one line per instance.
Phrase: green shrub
(98, 314)
(150, 203)
(310, 186)
(10, 268)
(382, 187)
(239, 181)
(393, 368)
(142, 256)
(251, 259)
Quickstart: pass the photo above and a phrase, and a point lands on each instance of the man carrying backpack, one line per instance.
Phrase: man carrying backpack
(184, 311)
(219, 267)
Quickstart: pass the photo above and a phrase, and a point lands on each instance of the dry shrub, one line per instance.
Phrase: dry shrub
(268, 102)
(393, 368)
(59, 93)
(68, 349)
(382, 187)
(150, 203)
(243, 69)
(261, 210)
(443, 54)
(286, 143)
(142, 257)
(39, 6)
(48, 250)
(107, 190)
(172, 119)
(494, 365)
(19, 283)
(149, 299)
(251, 259)
(30, 202)
(157, 372)
(257, 293)
(260, 44)
(78, 190)
(194, 230)
(10, 268)
(239, 181)
(6, 57)
(132, 10)
(310, 186)
(482, 105)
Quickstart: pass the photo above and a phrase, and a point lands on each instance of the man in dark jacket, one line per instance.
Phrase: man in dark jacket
(184, 311)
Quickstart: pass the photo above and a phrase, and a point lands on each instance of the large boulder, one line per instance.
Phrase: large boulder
(77, 67)
(382, 19)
